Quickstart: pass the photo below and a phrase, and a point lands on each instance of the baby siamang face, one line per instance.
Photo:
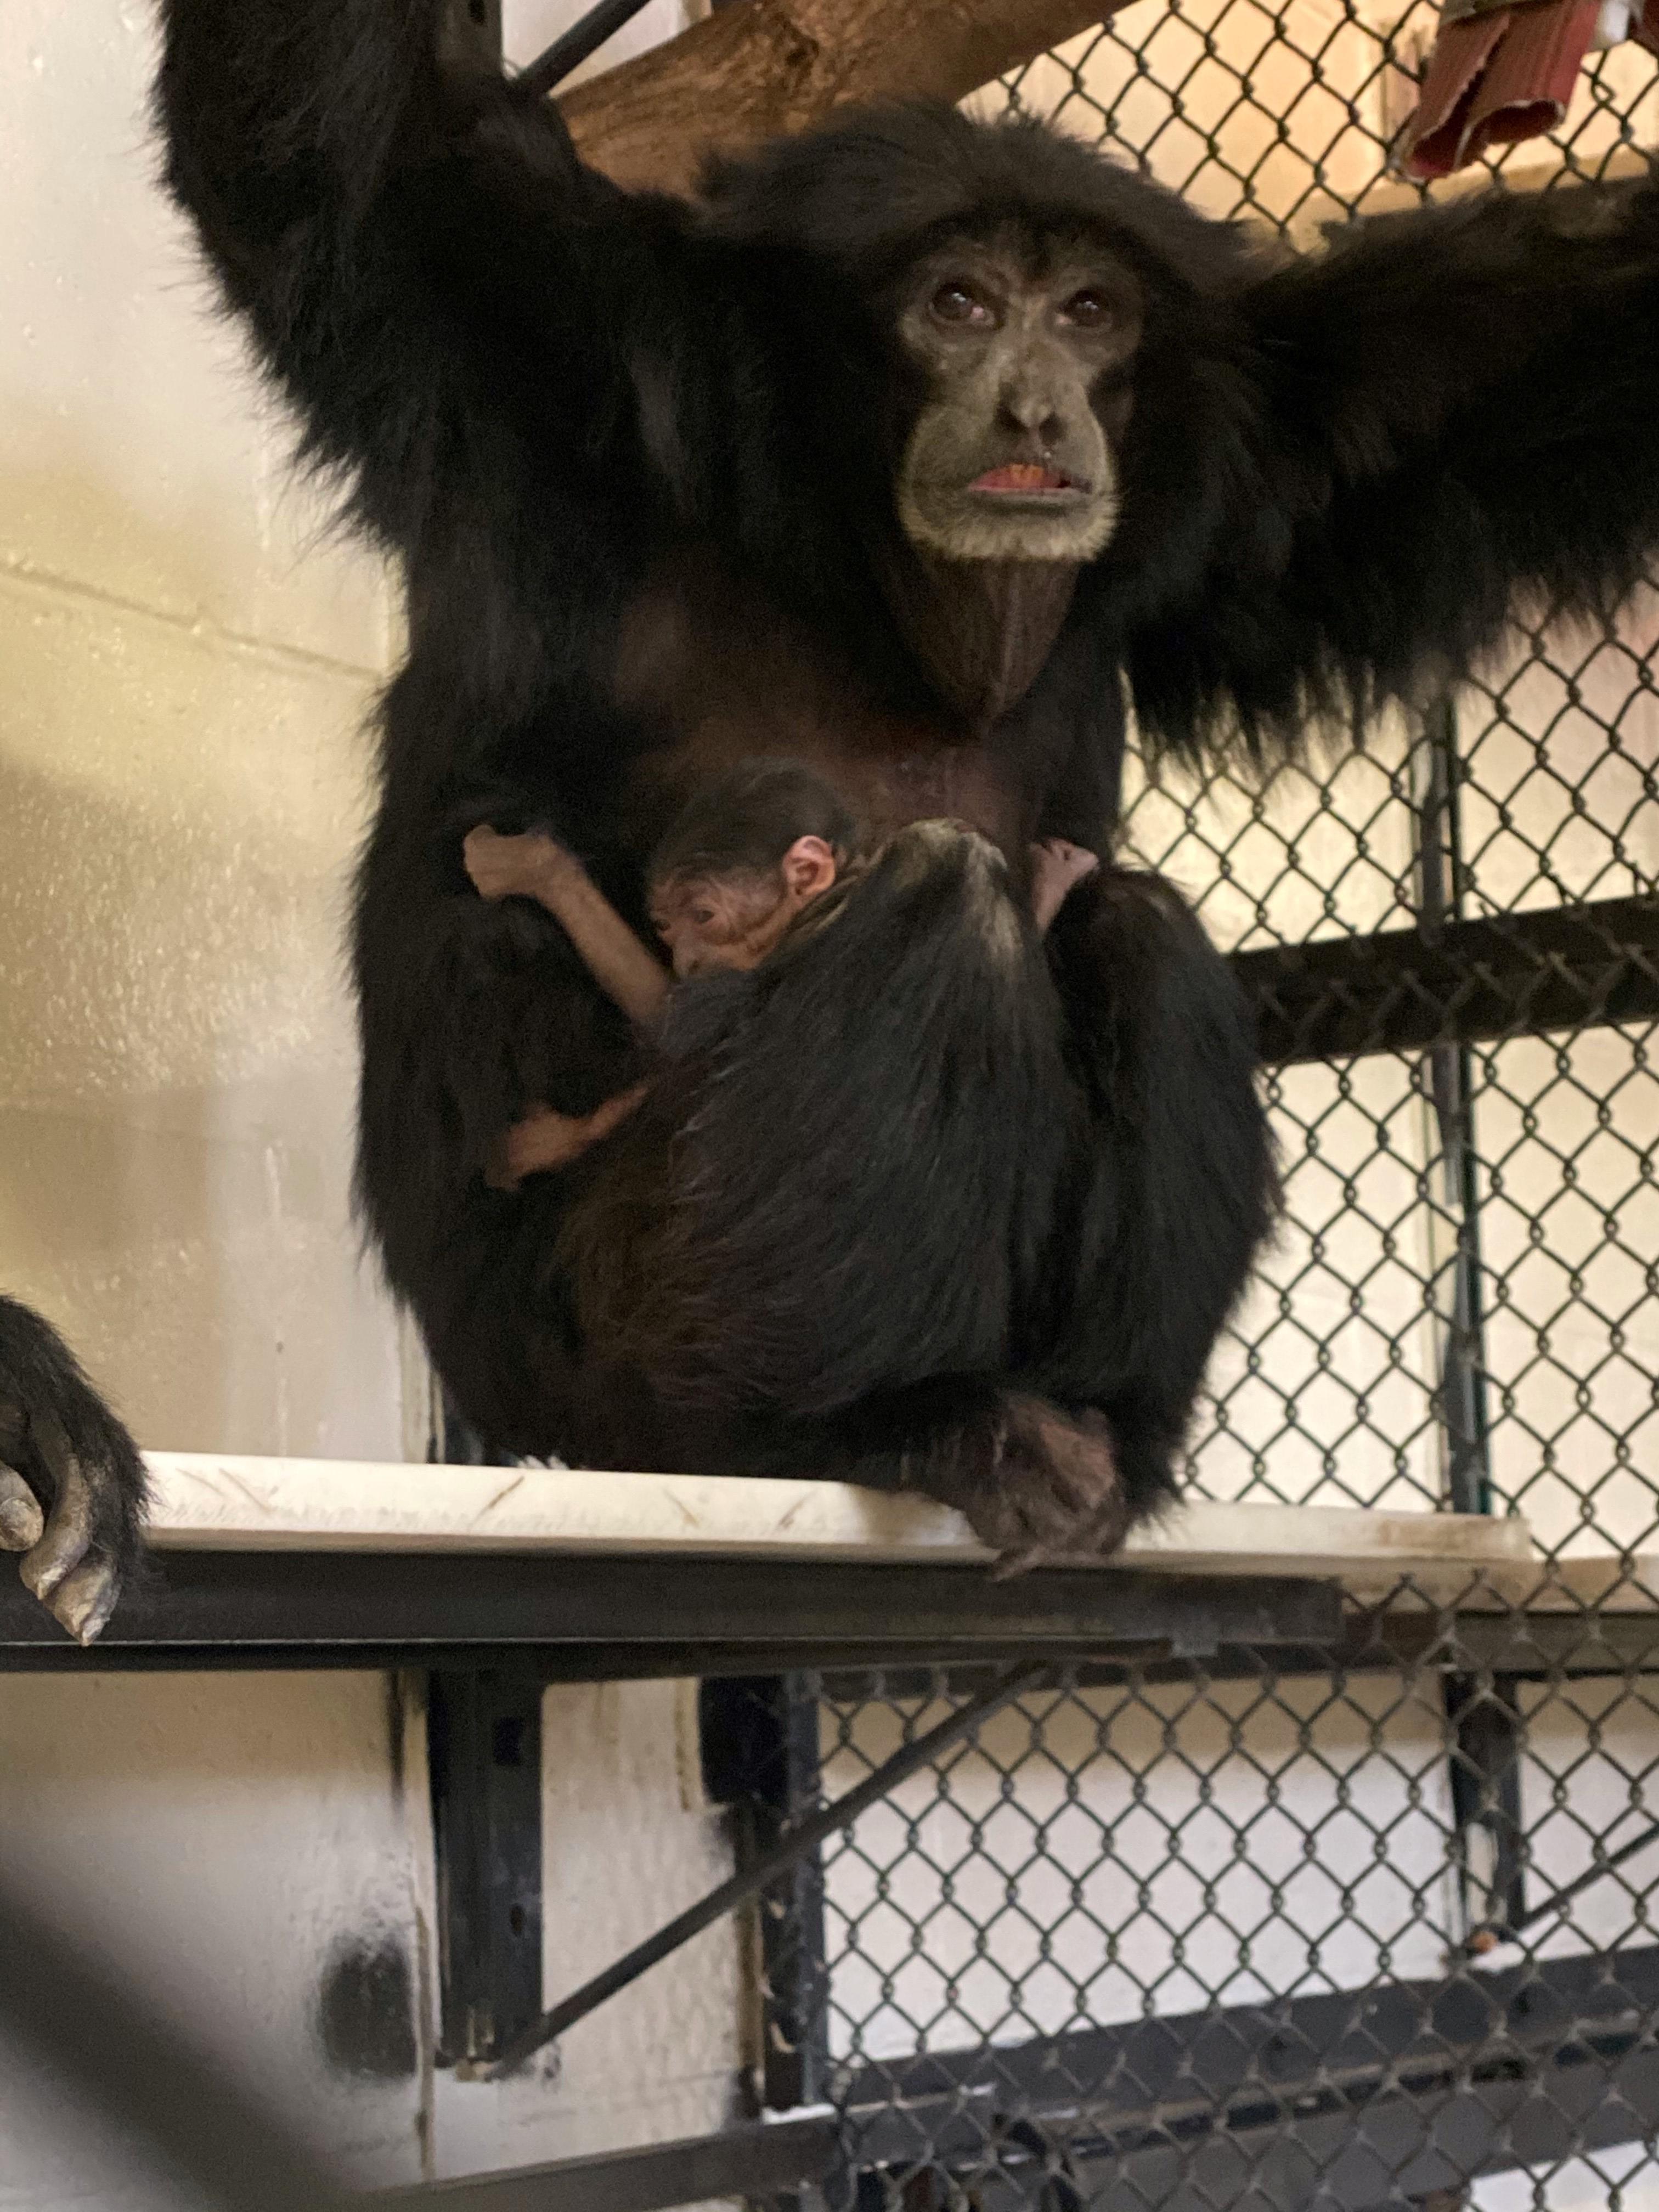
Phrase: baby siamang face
(715, 922)
(1026, 347)
(733, 917)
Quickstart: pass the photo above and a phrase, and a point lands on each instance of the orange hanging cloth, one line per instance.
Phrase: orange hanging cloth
(1499, 73)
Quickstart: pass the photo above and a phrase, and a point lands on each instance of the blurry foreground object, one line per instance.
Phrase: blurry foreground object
(119, 2057)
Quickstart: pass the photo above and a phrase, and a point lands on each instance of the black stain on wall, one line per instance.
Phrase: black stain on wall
(366, 2009)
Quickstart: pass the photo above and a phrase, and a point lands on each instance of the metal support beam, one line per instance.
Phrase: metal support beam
(760, 1756)
(1484, 1717)
(646, 1615)
(1329, 2104)
(573, 47)
(1408, 990)
(1488, 1742)
(484, 1750)
(1393, 2148)
(794, 1841)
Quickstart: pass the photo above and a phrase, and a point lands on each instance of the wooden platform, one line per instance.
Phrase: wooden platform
(591, 1576)
(213, 1502)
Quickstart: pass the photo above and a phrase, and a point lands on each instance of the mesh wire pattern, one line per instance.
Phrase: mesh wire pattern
(1371, 1927)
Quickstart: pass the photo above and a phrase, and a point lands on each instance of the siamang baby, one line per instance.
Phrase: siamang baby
(743, 861)
(737, 872)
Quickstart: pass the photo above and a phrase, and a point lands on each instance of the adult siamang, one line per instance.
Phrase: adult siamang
(899, 454)
(71, 1481)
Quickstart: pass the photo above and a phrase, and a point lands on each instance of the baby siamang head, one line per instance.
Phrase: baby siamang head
(749, 853)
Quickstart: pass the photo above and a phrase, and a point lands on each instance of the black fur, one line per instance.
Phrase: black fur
(890, 1200)
(50, 1417)
(743, 823)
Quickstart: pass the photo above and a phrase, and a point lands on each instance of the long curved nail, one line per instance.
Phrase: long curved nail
(68, 1534)
(84, 1600)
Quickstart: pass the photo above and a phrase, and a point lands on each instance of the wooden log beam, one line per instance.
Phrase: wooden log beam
(761, 68)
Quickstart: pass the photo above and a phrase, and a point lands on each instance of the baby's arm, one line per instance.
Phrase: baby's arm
(535, 865)
(544, 1139)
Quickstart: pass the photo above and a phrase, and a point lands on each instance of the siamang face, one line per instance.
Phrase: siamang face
(1026, 348)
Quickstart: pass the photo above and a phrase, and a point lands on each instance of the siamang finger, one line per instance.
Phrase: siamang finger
(69, 1524)
(21, 1520)
(85, 1598)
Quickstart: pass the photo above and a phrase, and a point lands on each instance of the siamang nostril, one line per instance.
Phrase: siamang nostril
(1035, 415)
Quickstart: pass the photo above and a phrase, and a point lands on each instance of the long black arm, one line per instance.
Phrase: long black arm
(404, 239)
(480, 337)
(1458, 427)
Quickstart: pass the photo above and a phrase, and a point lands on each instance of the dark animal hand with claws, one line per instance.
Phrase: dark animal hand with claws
(71, 1481)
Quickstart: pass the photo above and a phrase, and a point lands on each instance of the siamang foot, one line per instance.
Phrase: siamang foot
(72, 1482)
(1051, 1492)
(68, 1561)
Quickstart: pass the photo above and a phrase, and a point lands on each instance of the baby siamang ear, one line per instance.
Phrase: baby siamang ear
(809, 867)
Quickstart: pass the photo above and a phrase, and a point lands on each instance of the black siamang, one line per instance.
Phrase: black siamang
(71, 1481)
(904, 452)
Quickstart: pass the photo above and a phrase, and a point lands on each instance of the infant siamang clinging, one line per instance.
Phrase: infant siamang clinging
(742, 873)
(742, 865)
(901, 454)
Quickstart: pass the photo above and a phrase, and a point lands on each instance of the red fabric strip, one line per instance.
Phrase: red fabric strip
(1494, 79)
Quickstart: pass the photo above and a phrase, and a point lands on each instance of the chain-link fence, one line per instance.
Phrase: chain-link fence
(1364, 1927)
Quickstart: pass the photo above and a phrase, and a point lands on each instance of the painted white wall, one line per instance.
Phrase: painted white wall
(237, 1843)
(183, 672)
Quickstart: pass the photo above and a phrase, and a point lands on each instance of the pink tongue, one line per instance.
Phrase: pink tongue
(1019, 475)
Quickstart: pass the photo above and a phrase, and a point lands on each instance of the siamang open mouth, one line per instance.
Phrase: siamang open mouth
(1028, 480)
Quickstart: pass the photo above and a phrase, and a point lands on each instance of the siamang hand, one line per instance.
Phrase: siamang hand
(71, 1481)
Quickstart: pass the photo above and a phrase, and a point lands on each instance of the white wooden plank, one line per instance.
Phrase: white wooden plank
(214, 1501)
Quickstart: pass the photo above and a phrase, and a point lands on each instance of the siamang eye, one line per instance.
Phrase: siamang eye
(1088, 309)
(956, 303)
